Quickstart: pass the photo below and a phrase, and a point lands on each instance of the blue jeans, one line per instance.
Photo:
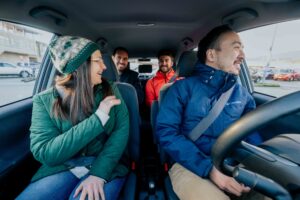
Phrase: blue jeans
(63, 185)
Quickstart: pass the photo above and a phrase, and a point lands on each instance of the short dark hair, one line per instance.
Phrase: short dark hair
(166, 52)
(120, 49)
(211, 41)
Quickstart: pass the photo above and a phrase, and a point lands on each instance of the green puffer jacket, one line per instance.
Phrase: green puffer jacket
(54, 141)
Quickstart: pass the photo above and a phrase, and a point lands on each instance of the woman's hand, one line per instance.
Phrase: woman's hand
(92, 187)
(107, 103)
(227, 183)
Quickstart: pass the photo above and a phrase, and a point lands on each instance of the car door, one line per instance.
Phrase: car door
(2, 69)
(5, 69)
(10, 69)
(16, 162)
(273, 48)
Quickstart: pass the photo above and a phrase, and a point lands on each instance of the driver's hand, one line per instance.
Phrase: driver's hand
(227, 183)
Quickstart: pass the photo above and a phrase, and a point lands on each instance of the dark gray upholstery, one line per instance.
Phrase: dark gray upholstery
(169, 189)
(185, 68)
(130, 188)
(133, 147)
(110, 73)
(186, 63)
(154, 110)
(129, 96)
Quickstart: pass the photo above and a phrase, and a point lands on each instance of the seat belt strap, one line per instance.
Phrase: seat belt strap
(203, 125)
(173, 78)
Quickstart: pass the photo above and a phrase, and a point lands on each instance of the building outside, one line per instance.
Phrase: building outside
(20, 45)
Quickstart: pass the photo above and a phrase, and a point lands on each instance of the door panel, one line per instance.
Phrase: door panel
(16, 162)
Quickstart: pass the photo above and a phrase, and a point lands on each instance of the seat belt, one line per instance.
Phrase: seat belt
(203, 125)
(173, 78)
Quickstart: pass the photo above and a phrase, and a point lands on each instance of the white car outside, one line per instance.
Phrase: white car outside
(7, 69)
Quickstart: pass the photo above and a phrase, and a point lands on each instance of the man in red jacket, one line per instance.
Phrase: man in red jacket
(163, 76)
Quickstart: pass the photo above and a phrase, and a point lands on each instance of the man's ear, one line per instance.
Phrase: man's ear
(210, 55)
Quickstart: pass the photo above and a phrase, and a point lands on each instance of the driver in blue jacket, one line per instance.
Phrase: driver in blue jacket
(188, 101)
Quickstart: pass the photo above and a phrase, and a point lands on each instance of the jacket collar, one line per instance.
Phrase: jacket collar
(168, 75)
(126, 70)
(217, 79)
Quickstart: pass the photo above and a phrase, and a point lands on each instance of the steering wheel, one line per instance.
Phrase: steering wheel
(232, 137)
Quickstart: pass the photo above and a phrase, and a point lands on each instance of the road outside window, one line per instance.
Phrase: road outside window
(21, 52)
(273, 57)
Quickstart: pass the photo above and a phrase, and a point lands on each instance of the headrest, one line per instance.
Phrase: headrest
(110, 73)
(186, 63)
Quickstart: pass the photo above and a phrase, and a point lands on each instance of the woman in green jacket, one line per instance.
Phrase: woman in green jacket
(80, 128)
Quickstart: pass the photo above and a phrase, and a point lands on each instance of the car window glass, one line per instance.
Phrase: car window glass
(273, 57)
(142, 66)
(21, 51)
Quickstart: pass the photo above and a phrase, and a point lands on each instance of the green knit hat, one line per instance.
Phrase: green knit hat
(69, 52)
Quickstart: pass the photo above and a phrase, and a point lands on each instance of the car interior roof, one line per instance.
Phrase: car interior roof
(146, 26)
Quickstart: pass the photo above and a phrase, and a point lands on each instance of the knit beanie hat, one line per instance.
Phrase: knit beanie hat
(69, 52)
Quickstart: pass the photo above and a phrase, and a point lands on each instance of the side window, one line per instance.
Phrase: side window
(273, 57)
(22, 49)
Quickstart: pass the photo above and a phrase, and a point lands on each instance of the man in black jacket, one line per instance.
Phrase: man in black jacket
(120, 58)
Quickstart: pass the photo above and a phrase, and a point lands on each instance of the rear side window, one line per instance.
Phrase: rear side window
(22, 50)
(273, 57)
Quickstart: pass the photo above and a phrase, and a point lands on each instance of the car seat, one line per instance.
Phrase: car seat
(186, 63)
(185, 68)
(133, 147)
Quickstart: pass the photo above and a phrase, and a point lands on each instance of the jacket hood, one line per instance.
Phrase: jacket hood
(218, 79)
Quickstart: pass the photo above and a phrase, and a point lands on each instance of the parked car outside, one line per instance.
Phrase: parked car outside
(287, 75)
(8, 69)
(269, 74)
(257, 76)
(35, 67)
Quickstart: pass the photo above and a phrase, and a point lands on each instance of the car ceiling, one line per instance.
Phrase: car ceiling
(178, 25)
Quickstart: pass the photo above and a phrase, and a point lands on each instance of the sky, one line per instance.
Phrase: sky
(286, 38)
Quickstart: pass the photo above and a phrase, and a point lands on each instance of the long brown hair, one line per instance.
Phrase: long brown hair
(77, 102)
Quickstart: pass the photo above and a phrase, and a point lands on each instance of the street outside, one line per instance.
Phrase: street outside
(14, 89)
(286, 87)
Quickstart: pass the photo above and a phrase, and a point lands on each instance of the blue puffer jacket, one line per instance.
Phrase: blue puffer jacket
(190, 100)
